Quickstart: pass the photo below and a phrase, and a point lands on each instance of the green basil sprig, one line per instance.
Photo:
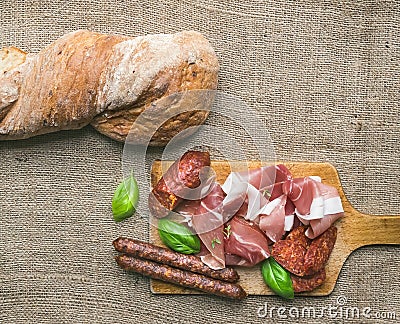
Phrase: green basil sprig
(277, 278)
(125, 199)
(178, 237)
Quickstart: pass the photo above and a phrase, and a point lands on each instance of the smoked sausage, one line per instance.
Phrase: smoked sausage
(181, 277)
(165, 256)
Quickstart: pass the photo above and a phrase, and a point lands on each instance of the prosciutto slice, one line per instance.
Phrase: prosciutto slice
(259, 178)
(245, 244)
(319, 226)
(207, 222)
(303, 192)
(251, 186)
(272, 218)
(333, 210)
(317, 204)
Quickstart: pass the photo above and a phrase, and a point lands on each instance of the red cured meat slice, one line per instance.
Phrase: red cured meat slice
(319, 226)
(317, 204)
(302, 192)
(207, 222)
(255, 186)
(246, 242)
(272, 218)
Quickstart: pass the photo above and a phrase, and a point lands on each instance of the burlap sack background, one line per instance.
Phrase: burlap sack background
(325, 76)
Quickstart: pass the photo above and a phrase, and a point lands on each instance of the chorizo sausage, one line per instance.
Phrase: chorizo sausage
(319, 251)
(302, 256)
(290, 255)
(299, 235)
(181, 176)
(159, 254)
(309, 283)
(181, 277)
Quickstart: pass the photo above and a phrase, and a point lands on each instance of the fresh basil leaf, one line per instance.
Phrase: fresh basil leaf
(277, 278)
(125, 199)
(178, 237)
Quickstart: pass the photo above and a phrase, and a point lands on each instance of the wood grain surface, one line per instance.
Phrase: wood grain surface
(355, 229)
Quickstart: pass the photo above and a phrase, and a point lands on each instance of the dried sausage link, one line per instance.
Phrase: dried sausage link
(181, 277)
(159, 254)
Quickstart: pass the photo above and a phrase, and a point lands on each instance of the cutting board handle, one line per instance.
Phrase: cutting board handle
(363, 229)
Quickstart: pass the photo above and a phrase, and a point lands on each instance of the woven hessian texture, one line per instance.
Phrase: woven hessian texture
(323, 74)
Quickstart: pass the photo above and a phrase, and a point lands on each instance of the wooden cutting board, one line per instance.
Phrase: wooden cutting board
(355, 229)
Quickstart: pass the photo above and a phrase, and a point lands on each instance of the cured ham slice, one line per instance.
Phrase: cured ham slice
(319, 226)
(207, 223)
(277, 217)
(255, 201)
(213, 201)
(245, 244)
(274, 190)
(317, 204)
(251, 185)
(303, 192)
(236, 195)
(332, 202)
(272, 218)
(259, 178)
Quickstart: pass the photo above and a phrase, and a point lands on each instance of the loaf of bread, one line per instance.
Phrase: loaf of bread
(106, 81)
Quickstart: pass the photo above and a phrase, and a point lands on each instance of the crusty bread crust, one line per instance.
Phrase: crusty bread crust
(10, 57)
(106, 80)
